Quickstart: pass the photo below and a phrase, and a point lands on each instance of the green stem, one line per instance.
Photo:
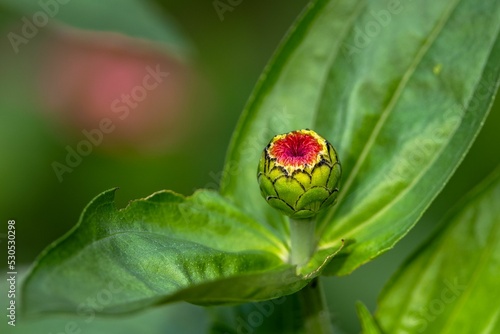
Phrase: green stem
(302, 235)
(314, 309)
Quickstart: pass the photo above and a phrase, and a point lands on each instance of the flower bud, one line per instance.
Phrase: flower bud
(299, 173)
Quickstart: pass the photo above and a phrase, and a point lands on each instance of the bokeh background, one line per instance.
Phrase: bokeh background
(62, 81)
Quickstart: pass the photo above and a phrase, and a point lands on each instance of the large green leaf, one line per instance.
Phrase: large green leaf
(167, 319)
(400, 90)
(451, 285)
(160, 249)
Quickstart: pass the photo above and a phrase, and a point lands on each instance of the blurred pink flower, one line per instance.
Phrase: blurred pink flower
(89, 76)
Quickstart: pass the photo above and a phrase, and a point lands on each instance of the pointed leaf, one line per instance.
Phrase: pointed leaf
(451, 285)
(160, 249)
(368, 324)
(392, 87)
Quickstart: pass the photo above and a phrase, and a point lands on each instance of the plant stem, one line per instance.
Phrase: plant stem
(312, 300)
(314, 309)
(302, 234)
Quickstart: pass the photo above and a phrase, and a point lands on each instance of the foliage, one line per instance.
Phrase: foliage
(401, 105)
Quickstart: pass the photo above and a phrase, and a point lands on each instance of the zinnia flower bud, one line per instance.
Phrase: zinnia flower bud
(299, 173)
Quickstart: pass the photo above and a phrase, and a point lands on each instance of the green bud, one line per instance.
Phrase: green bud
(299, 173)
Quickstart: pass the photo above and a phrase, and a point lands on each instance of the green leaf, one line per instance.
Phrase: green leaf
(451, 284)
(160, 249)
(168, 319)
(402, 111)
(131, 17)
(368, 324)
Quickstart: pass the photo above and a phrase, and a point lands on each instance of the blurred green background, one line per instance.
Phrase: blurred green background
(62, 80)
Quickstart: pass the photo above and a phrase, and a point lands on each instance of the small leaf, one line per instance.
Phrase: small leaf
(160, 249)
(368, 324)
(395, 91)
(451, 284)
